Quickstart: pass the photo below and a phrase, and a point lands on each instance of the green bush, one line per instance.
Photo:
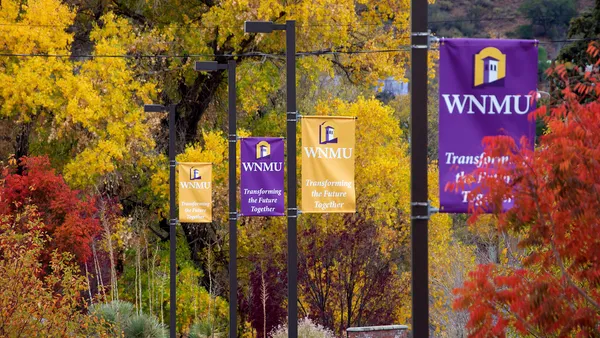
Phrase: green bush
(115, 313)
(204, 329)
(523, 32)
(125, 322)
(144, 326)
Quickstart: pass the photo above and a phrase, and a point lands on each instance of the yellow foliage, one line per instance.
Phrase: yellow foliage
(28, 84)
(30, 27)
(321, 25)
(99, 100)
(196, 301)
(380, 153)
(107, 100)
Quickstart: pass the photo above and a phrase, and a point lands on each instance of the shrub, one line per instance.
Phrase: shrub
(144, 326)
(125, 322)
(35, 306)
(204, 329)
(306, 329)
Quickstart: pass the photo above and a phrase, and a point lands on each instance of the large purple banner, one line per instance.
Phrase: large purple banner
(262, 176)
(486, 89)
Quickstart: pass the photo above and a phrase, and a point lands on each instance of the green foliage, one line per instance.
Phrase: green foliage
(522, 32)
(144, 326)
(586, 26)
(543, 63)
(115, 314)
(549, 18)
(145, 283)
(123, 320)
(205, 329)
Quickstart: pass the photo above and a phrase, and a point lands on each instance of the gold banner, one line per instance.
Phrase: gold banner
(195, 192)
(328, 164)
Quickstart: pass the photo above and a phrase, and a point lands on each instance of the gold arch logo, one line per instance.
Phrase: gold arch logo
(263, 150)
(327, 133)
(490, 66)
(195, 174)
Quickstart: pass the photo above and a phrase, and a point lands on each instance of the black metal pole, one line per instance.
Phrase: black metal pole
(419, 198)
(172, 222)
(292, 117)
(232, 203)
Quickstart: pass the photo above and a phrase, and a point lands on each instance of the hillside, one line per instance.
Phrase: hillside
(504, 19)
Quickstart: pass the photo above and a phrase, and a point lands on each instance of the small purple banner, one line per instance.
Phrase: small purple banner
(486, 88)
(262, 176)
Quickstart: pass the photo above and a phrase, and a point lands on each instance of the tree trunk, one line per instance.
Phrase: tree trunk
(22, 143)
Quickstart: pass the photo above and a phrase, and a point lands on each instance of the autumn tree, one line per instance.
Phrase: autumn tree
(68, 217)
(346, 279)
(28, 85)
(85, 112)
(214, 30)
(31, 306)
(553, 291)
(264, 302)
(349, 263)
(87, 116)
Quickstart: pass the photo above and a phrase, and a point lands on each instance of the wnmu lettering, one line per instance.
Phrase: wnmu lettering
(262, 166)
(328, 153)
(488, 104)
(194, 185)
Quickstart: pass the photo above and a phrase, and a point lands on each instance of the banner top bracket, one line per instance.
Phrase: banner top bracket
(430, 39)
(293, 116)
(430, 210)
(292, 212)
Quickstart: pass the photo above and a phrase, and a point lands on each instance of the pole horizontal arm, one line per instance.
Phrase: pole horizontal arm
(209, 66)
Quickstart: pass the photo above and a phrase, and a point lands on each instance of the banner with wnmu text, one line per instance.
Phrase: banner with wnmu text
(328, 164)
(261, 182)
(195, 192)
(486, 88)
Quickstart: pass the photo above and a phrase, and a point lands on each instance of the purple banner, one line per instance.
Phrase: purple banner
(485, 90)
(262, 176)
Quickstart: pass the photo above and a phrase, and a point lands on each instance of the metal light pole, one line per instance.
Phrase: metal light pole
(418, 151)
(230, 67)
(157, 108)
(292, 118)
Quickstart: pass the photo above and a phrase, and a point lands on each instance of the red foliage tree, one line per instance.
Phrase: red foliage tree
(266, 302)
(68, 217)
(346, 278)
(554, 290)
